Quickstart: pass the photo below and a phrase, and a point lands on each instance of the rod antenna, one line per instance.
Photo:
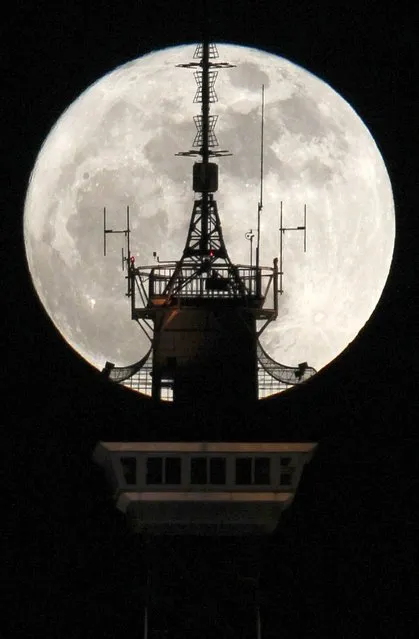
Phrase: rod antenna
(260, 203)
(282, 230)
(126, 260)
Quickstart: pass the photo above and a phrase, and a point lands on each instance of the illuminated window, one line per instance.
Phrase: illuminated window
(129, 470)
(253, 471)
(166, 390)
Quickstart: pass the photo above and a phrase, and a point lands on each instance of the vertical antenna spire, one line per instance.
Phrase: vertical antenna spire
(205, 131)
(261, 147)
(205, 173)
(205, 76)
(205, 100)
(260, 203)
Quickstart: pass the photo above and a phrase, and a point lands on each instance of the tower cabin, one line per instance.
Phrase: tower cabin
(203, 488)
(204, 316)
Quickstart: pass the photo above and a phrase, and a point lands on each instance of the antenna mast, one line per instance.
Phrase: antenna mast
(127, 260)
(282, 230)
(260, 203)
(205, 133)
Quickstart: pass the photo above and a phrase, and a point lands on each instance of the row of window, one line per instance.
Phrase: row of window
(206, 470)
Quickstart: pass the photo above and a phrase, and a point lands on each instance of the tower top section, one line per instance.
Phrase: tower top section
(203, 313)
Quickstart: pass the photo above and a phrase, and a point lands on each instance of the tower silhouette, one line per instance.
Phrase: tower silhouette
(204, 316)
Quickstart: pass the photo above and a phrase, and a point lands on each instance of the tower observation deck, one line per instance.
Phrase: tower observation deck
(202, 313)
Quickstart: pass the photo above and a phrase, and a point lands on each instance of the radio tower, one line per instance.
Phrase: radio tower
(204, 316)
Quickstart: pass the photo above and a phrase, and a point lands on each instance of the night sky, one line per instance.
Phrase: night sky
(343, 562)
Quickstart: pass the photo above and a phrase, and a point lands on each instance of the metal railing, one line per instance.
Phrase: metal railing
(195, 281)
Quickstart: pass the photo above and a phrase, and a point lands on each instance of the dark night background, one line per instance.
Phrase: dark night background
(343, 561)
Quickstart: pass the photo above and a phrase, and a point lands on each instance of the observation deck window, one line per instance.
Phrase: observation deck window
(163, 470)
(244, 470)
(172, 470)
(129, 470)
(262, 470)
(154, 470)
(253, 471)
(217, 468)
(208, 470)
(286, 479)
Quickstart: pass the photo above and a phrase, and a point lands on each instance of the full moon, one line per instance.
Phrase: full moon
(115, 146)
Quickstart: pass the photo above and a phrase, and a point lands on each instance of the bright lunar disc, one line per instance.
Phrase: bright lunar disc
(115, 146)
